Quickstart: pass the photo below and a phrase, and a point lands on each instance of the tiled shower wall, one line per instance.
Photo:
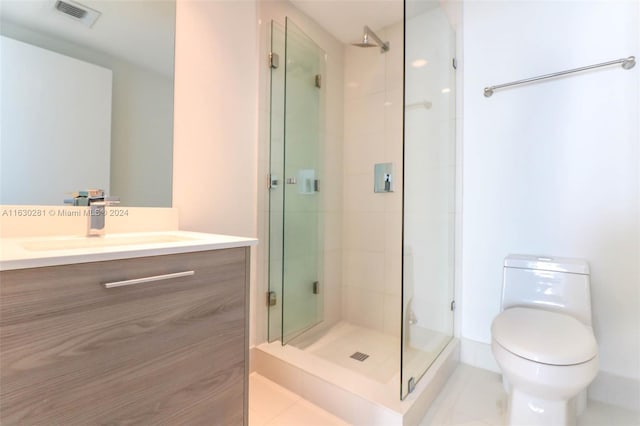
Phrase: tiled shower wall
(372, 222)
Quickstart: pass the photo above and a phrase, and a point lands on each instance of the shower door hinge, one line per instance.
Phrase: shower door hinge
(316, 287)
(454, 63)
(411, 385)
(272, 182)
(453, 305)
(274, 60)
(272, 298)
(318, 81)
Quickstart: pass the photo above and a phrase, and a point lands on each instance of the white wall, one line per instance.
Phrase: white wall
(553, 168)
(372, 222)
(215, 124)
(215, 133)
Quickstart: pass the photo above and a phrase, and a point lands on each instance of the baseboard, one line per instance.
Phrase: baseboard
(477, 354)
(616, 390)
(609, 388)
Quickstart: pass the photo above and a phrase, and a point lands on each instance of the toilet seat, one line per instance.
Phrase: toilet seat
(544, 337)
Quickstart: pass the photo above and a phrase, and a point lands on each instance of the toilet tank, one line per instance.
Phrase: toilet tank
(551, 283)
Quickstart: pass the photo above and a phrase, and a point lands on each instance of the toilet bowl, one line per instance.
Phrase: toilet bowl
(543, 341)
(548, 359)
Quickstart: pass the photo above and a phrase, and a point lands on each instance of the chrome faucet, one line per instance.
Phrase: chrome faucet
(97, 212)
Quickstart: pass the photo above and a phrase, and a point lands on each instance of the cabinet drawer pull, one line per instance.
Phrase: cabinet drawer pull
(148, 279)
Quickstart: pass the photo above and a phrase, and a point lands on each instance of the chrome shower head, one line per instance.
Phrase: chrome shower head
(365, 42)
(377, 41)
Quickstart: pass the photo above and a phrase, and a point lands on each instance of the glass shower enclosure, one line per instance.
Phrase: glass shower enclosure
(297, 109)
(404, 313)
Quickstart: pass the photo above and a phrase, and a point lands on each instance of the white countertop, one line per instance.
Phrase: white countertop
(36, 252)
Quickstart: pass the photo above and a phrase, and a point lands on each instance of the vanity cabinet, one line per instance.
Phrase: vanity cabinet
(167, 351)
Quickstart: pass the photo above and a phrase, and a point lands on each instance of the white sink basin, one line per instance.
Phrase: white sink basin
(71, 243)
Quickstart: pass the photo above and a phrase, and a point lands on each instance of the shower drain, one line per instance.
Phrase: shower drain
(359, 356)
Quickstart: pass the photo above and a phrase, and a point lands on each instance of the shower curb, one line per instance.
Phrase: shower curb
(284, 366)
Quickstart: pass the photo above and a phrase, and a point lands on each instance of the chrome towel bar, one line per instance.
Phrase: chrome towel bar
(627, 64)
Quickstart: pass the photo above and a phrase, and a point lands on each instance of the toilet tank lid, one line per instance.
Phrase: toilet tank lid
(547, 263)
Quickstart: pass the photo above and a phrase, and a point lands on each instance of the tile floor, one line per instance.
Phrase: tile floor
(475, 397)
(272, 405)
(471, 397)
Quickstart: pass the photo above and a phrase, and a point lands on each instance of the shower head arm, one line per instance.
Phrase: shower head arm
(383, 46)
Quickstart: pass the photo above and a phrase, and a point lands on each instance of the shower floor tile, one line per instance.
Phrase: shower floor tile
(339, 342)
(344, 339)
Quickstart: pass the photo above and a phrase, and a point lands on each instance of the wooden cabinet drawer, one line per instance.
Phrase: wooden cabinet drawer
(162, 352)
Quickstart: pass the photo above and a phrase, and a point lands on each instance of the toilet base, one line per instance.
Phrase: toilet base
(527, 410)
(576, 405)
(543, 394)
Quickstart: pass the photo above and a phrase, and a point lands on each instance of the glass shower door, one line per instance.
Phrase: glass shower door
(301, 288)
(297, 161)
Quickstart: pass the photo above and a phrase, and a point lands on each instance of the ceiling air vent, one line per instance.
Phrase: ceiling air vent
(77, 11)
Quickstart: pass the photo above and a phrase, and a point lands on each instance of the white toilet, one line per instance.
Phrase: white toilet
(543, 340)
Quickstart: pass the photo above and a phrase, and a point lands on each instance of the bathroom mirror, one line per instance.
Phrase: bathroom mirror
(131, 40)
